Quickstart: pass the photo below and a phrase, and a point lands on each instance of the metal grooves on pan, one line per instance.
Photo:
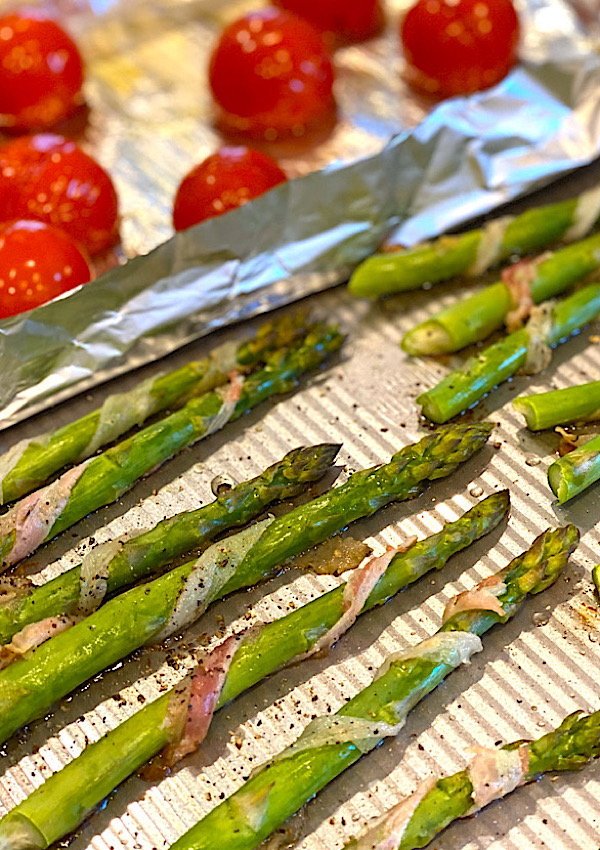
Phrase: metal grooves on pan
(532, 672)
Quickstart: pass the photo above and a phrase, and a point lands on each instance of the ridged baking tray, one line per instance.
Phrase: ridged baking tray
(532, 672)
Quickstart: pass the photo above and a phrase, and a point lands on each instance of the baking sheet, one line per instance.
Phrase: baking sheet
(532, 672)
(150, 121)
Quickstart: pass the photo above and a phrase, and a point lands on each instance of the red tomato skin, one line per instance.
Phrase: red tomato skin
(49, 178)
(455, 47)
(222, 182)
(347, 21)
(41, 72)
(271, 76)
(37, 263)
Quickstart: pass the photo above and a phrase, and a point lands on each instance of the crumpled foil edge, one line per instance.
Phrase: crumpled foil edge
(468, 157)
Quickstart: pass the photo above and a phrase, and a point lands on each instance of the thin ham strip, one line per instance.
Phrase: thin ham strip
(32, 636)
(251, 807)
(230, 394)
(489, 250)
(32, 518)
(356, 592)
(452, 648)
(495, 773)
(539, 353)
(585, 216)
(518, 278)
(11, 458)
(195, 705)
(482, 597)
(335, 729)
(386, 832)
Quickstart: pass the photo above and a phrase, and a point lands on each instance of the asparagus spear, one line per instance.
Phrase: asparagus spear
(31, 463)
(173, 601)
(102, 479)
(332, 743)
(560, 407)
(495, 364)
(576, 471)
(59, 805)
(416, 820)
(121, 563)
(475, 251)
(280, 642)
(476, 317)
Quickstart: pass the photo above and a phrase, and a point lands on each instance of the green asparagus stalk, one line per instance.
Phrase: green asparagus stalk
(569, 747)
(576, 471)
(170, 603)
(495, 364)
(448, 256)
(560, 407)
(126, 562)
(31, 463)
(281, 641)
(59, 805)
(102, 479)
(476, 317)
(334, 742)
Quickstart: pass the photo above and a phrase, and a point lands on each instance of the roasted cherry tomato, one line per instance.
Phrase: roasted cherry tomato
(459, 46)
(51, 179)
(223, 181)
(347, 21)
(272, 76)
(41, 72)
(37, 263)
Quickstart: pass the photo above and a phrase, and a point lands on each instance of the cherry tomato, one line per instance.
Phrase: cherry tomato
(37, 263)
(272, 76)
(223, 181)
(459, 46)
(347, 21)
(51, 179)
(41, 72)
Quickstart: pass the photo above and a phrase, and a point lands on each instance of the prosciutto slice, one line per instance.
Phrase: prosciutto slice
(489, 250)
(230, 394)
(585, 216)
(386, 832)
(518, 278)
(192, 710)
(495, 773)
(482, 597)
(31, 519)
(32, 636)
(356, 592)
(539, 353)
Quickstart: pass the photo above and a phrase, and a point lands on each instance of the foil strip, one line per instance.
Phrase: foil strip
(463, 159)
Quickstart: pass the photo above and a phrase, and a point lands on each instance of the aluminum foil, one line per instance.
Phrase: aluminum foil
(428, 169)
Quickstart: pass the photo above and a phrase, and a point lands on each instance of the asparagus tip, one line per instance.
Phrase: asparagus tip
(559, 545)
(316, 458)
(502, 497)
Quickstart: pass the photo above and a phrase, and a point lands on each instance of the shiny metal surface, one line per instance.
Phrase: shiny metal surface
(149, 122)
(532, 672)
